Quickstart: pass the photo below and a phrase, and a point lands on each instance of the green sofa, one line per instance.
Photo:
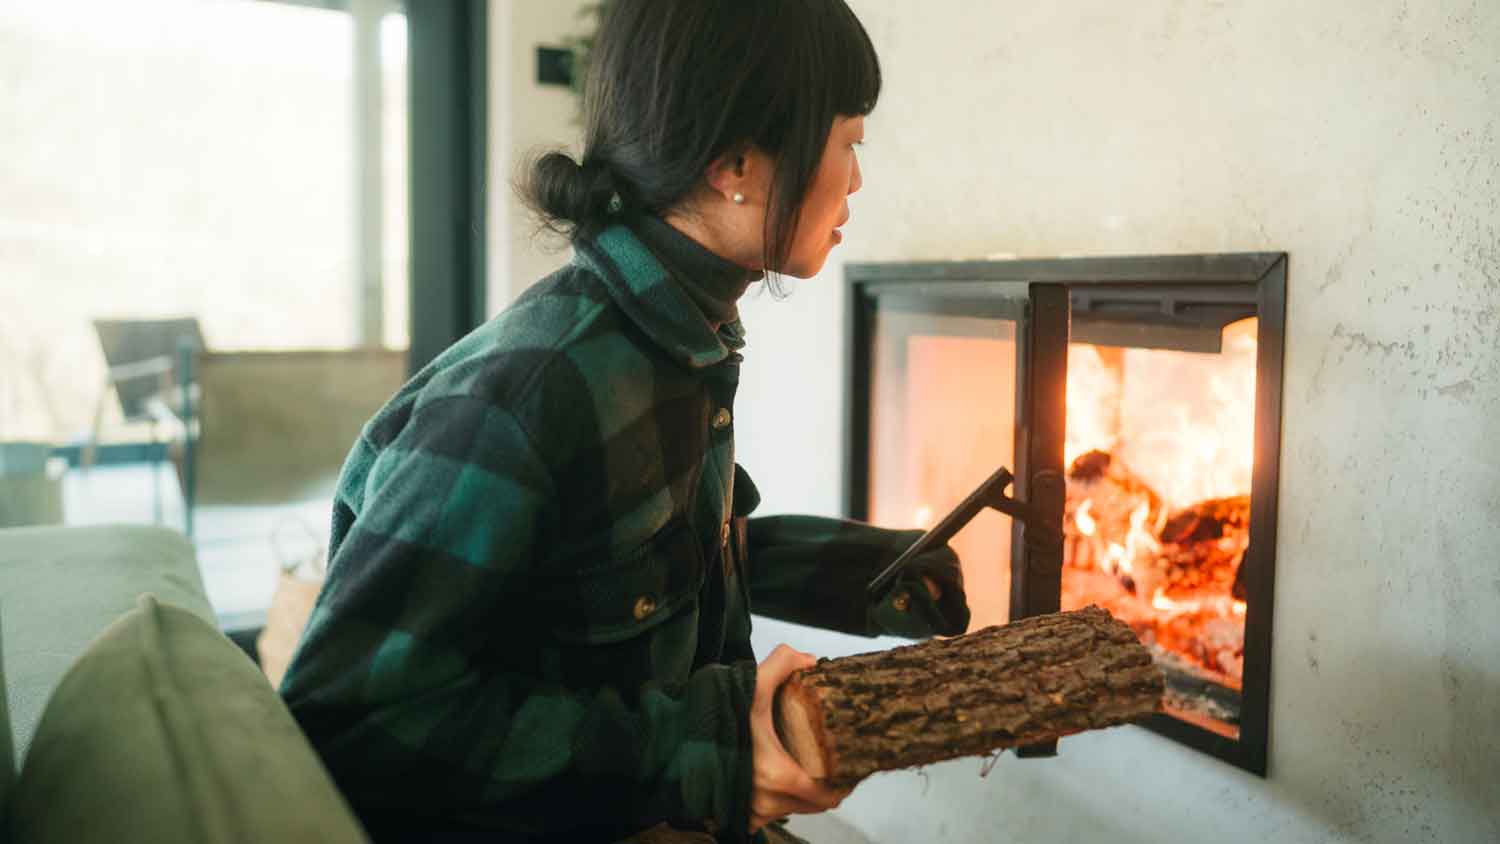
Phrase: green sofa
(127, 716)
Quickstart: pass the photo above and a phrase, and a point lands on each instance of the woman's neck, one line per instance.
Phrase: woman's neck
(718, 238)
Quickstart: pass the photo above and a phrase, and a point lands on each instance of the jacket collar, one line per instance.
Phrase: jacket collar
(657, 304)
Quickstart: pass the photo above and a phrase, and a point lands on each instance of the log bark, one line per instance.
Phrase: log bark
(1025, 682)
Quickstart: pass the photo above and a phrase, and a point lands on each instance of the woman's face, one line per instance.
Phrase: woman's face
(825, 208)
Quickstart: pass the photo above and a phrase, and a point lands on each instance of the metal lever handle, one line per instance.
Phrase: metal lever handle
(991, 494)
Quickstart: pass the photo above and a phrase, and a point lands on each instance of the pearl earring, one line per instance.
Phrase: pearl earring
(739, 198)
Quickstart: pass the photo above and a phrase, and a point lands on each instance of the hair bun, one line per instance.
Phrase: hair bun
(571, 195)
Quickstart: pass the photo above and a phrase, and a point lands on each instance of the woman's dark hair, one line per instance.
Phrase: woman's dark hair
(674, 84)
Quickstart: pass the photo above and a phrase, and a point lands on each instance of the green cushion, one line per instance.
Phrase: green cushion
(63, 585)
(165, 731)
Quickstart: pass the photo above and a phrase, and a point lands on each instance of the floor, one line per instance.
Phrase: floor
(240, 549)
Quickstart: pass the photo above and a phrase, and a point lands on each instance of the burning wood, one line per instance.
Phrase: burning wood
(1202, 546)
(1110, 508)
(1171, 575)
(1026, 682)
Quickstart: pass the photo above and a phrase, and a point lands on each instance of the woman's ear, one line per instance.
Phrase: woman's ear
(739, 171)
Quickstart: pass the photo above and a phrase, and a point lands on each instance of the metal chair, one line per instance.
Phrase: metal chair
(151, 375)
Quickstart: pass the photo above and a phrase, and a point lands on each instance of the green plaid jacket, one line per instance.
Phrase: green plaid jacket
(537, 612)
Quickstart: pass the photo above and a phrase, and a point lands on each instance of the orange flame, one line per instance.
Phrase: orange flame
(1085, 520)
(1205, 450)
(1160, 600)
(1093, 401)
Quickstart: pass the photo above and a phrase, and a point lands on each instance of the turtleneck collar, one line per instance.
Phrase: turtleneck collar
(660, 300)
(714, 283)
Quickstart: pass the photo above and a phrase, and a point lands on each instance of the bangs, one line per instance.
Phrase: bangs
(824, 66)
(844, 60)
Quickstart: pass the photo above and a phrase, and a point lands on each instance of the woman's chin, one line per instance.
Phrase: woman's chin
(805, 269)
(807, 266)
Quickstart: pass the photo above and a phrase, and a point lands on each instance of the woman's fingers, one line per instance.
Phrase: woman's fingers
(783, 662)
(768, 805)
(792, 785)
(779, 785)
(775, 806)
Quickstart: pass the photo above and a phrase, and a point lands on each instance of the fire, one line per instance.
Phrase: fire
(1160, 601)
(1116, 559)
(1159, 517)
(922, 518)
(1085, 522)
(1093, 403)
(1118, 399)
(1140, 541)
(1120, 557)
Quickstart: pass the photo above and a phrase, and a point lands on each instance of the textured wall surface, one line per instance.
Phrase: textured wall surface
(1364, 139)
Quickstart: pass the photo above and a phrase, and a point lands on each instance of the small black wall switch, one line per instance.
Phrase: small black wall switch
(554, 66)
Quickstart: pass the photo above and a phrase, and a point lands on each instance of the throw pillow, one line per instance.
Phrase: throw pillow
(165, 731)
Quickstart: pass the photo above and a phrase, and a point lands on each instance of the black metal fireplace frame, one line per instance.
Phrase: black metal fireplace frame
(1190, 294)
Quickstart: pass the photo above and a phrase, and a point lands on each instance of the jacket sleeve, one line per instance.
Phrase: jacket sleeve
(425, 685)
(814, 570)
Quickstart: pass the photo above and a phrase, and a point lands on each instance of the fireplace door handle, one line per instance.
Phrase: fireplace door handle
(989, 494)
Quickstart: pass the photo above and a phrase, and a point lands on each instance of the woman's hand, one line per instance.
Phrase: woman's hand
(779, 786)
(943, 578)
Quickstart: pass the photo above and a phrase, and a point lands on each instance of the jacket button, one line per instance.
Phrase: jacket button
(722, 419)
(644, 606)
(901, 601)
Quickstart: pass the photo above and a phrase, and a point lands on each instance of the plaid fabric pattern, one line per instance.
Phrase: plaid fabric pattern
(536, 617)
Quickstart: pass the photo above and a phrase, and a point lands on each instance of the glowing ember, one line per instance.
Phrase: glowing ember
(1237, 607)
(1160, 601)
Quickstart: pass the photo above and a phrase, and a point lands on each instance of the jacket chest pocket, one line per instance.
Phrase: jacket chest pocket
(634, 618)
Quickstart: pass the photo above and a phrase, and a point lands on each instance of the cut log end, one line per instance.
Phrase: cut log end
(799, 723)
(1030, 681)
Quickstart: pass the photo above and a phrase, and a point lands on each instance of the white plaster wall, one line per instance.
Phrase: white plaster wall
(524, 117)
(1361, 137)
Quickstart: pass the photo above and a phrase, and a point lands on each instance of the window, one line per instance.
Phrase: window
(204, 257)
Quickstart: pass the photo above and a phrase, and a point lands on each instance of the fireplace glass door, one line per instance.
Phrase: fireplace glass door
(954, 374)
(1137, 401)
(943, 402)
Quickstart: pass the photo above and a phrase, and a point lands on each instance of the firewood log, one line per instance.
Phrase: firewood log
(1112, 493)
(1018, 684)
(1209, 519)
(1202, 546)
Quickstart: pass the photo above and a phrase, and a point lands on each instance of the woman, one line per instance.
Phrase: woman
(536, 621)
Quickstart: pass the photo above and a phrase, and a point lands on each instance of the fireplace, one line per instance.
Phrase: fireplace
(1137, 401)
